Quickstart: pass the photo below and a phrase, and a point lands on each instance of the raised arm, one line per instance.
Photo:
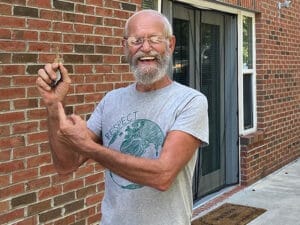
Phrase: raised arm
(64, 159)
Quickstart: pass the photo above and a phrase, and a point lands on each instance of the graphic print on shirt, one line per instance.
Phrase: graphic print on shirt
(136, 137)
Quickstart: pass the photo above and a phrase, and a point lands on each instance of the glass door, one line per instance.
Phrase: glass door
(211, 158)
(199, 61)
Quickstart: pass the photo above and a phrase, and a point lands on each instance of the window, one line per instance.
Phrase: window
(247, 97)
(247, 43)
(248, 76)
(151, 4)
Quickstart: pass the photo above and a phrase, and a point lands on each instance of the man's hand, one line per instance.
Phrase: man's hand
(73, 130)
(44, 82)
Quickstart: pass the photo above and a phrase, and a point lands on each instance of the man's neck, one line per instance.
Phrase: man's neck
(165, 81)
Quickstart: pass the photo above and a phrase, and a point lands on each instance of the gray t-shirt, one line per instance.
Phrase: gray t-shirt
(137, 123)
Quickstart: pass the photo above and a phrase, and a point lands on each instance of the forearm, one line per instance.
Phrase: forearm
(155, 173)
(64, 158)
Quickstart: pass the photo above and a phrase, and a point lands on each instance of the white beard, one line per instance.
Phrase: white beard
(147, 75)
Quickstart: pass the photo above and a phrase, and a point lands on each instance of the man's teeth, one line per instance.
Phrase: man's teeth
(147, 58)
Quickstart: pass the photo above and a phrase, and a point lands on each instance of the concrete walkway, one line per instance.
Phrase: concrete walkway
(278, 193)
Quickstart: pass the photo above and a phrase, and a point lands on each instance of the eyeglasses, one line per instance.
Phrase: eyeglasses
(139, 41)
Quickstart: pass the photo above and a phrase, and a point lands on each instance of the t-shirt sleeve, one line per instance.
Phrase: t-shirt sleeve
(193, 119)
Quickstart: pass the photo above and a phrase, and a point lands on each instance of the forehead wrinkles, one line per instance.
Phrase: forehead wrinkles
(145, 24)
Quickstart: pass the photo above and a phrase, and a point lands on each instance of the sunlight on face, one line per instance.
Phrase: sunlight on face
(149, 73)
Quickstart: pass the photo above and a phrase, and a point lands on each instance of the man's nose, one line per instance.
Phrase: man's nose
(146, 46)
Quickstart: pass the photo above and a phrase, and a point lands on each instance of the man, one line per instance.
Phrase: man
(146, 135)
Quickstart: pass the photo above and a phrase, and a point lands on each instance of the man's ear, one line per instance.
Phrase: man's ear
(172, 43)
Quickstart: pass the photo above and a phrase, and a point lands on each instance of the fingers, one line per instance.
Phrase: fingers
(50, 70)
(64, 73)
(71, 126)
(63, 118)
(49, 74)
(46, 76)
(41, 84)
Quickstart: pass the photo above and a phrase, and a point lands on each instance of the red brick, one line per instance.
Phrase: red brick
(5, 82)
(92, 98)
(73, 185)
(5, 33)
(11, 215)
(5, 9)
(39, 4)
(4, 180)
(86, 108)
(4, 130)
(84, 170)
(37, 114)
(25, 103)
(94, 178)
(38, 24)
(50, 14)
(105, 12)
(40, 159)
(13, 69)
(11, 166)
(94, 218)
(24, 35)
(21, 152)
(38, 183)
(12, 46)
(4, 206)
(4, 155)
(12, 190)
(100, 24)
(12, 142)
(49, 192)
(80, 28)
(27, 221)
(112, 78)
(47, 170)
(94, 2)
(20, 128)
(11, 117)
(107, 31)
(10, 22)
(85, 213)
(86, 9)
(39, 207)
(66, 220)
(94, 199)
(37, 137)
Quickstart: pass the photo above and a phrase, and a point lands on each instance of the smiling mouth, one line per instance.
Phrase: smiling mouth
(147, 58)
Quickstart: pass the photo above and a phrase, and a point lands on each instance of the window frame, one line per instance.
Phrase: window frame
(244, 72)
(159, 3)
(209, 5)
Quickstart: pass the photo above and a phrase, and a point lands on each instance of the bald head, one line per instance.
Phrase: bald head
(151, 15)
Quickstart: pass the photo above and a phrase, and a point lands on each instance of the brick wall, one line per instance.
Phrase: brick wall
(278, 92)
(88, 35)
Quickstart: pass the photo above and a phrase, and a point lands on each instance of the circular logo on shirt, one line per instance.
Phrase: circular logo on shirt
(141, 138)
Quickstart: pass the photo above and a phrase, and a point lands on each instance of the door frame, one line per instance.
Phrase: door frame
(231, 155)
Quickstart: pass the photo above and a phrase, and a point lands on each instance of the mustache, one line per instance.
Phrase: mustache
(139, 55)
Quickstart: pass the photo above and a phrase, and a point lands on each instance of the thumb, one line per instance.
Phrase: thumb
(64, 72)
